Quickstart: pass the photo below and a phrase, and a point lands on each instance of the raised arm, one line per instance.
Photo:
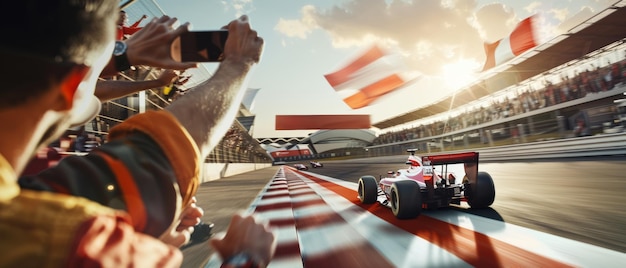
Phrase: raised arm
(208, 110)
(136, 24)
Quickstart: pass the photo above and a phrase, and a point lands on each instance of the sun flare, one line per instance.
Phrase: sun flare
(460, 73)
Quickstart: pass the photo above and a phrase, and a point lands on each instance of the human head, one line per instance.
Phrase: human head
(121, 20)
(55, 45)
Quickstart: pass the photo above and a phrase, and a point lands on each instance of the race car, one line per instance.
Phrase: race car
(300, 166)
(315, 164)
(428, 184)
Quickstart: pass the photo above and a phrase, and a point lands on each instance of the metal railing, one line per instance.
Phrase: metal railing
(599, 145)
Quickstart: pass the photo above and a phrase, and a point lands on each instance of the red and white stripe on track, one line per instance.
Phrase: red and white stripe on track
(320, 223)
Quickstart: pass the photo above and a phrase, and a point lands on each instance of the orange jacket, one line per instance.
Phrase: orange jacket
(111, 204)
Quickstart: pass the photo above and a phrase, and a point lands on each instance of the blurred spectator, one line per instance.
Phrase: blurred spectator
(581, 128)
(171, 91)
(124, 31)
(44, 158)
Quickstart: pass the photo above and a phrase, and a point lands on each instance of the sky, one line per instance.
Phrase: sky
(441, 41)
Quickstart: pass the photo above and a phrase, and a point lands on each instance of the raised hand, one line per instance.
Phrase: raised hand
(152, 45)
(249, 235)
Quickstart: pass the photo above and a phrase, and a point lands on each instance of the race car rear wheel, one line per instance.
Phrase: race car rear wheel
(482, 193)
(406, 199)
(368, 189)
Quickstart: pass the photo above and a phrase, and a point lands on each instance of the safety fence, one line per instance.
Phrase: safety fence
(610, 146)
(237, 146)
(590, 146)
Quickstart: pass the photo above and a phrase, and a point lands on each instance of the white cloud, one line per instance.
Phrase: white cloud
(240, 7)
(298, 28)
(574, 20)
(533, 7)
(560, 14)
(292, 28)
(412, 26)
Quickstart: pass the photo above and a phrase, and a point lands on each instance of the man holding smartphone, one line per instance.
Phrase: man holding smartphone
(57, 53)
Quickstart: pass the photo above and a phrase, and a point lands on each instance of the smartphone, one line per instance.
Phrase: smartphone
(203, 46)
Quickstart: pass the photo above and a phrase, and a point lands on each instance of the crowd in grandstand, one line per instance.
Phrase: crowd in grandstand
(526, 100)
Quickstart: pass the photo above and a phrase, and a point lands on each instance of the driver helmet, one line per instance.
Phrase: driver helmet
(415, 161)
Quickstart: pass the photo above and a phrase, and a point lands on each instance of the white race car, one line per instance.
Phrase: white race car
(427, 183)
(299, 166)
(315, 164)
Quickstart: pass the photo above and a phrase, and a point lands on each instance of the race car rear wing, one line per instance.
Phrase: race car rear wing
(469, 160)
(444, 159)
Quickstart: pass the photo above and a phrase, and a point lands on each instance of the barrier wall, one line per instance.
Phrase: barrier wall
(215, 171)
(604, 145)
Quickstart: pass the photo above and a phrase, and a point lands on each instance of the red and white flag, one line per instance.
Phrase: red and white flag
(523, 38)
(368, 77)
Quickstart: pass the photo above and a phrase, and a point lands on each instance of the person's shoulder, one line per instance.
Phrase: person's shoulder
(66, 206)
(50, 227)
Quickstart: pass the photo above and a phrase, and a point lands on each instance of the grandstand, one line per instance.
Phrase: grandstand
(575, 78)
(596, 35)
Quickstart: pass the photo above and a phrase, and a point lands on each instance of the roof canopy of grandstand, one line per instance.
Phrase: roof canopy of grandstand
(598, 32)
(327, 140)
(328, 136)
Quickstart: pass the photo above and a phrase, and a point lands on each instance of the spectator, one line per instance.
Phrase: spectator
(581, 128)
(44, 158)
(122, 30)
(50, 87)
(616, 74)
(171, 91)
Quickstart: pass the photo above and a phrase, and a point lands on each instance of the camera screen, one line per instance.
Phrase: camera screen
(203, 46)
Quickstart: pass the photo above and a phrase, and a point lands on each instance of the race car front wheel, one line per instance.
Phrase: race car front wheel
(368, 190)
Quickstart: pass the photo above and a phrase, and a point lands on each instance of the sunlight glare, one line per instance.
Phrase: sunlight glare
(460, 73)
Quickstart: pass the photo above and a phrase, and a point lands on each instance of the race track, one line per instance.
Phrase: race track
(565, 214)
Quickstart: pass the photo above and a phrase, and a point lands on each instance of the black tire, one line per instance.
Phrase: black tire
(482, 193)
(406, 199)
(368, 190)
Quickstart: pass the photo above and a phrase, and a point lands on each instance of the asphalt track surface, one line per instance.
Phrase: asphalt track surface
(581, 200)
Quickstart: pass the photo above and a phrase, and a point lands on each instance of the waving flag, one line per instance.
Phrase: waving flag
(367, 78)
(523, 38)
